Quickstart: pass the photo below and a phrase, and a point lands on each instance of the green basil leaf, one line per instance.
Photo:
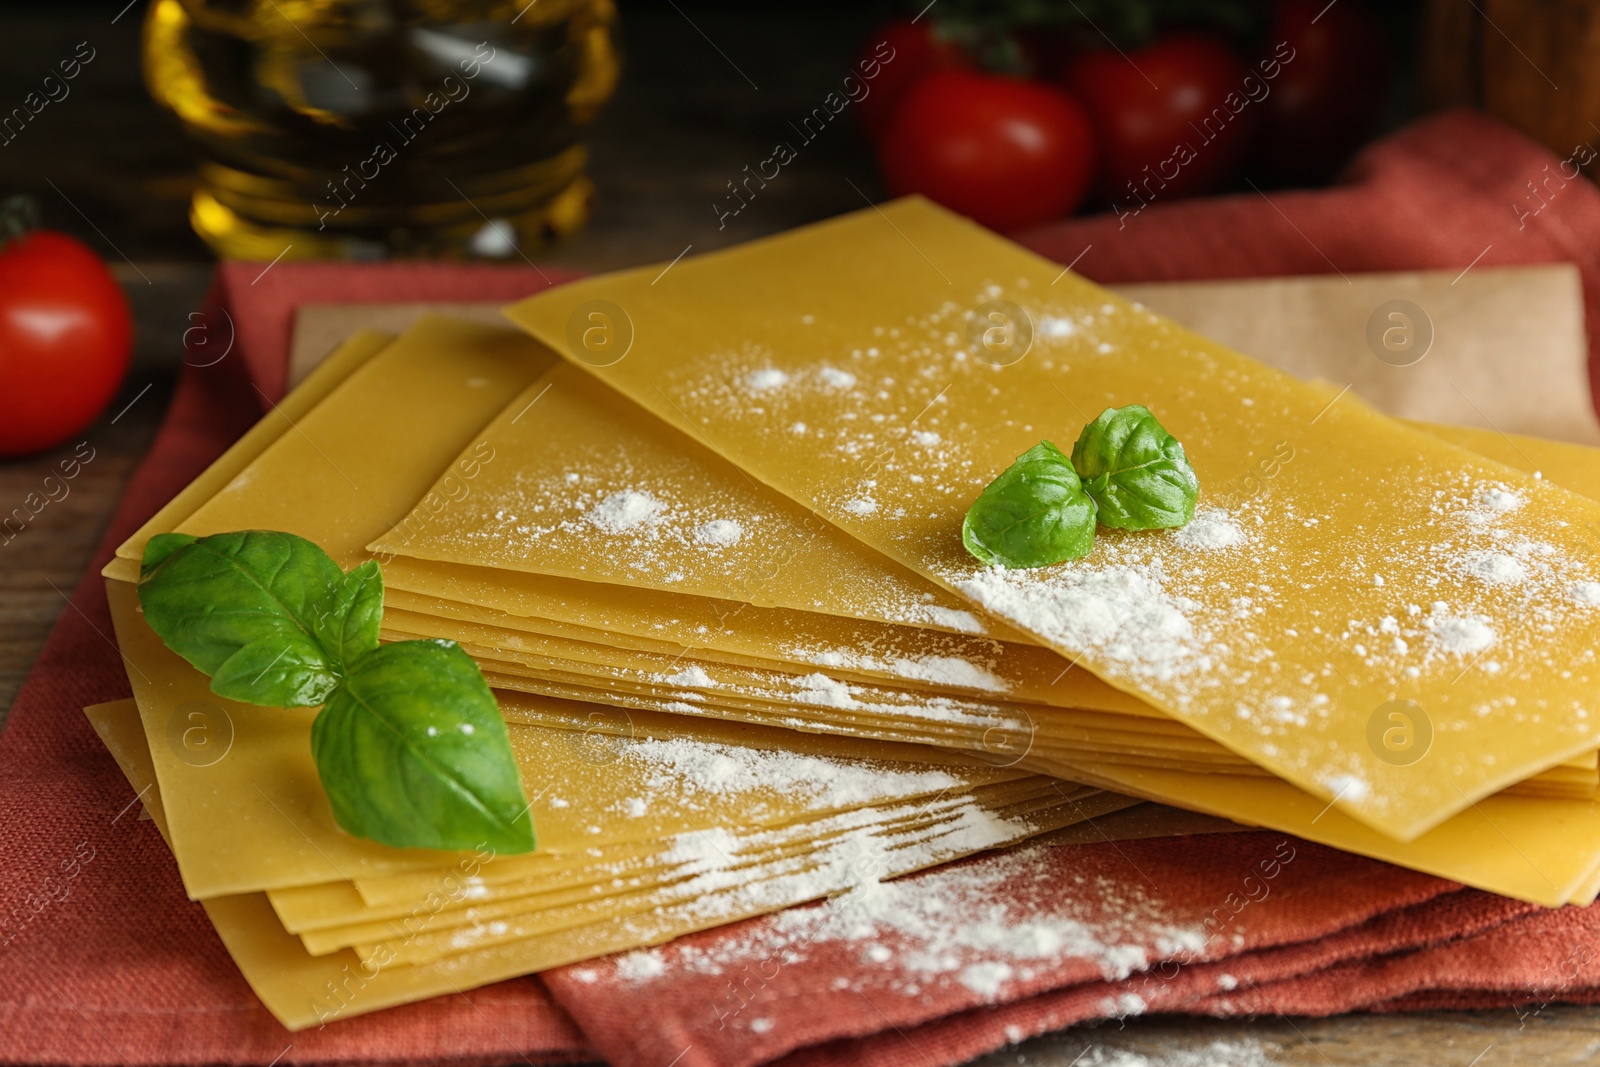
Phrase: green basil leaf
(159, 547)
(348, 621)
(413, 753)
(1035, 514)
(287, 672)
(1135, 471)
(217, 596)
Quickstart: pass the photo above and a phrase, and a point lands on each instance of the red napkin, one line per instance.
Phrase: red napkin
(102, 960)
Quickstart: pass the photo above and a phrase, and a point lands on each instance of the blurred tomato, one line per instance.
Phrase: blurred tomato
(65, 338)
(1166, 107)
(901, 53)
(1327, 99)
(1002, 151)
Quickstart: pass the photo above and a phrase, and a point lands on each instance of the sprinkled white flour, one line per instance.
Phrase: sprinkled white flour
(689, 768)
(1493, 503)
(681, 526)
(1122, 613)
(861, 506)
(958, 924)
(768, 378)
(964, 622)
(718, 532)
(1348, 787)
(1120, 610)
(985, 978)
(940, 670)
(639, 966)
(830, 692)
(1211, 528)
(1057, 327)
(851, 850)
(824, 691)
(691, 677)
(1496, 567)
(1460, 634)
(624, 511)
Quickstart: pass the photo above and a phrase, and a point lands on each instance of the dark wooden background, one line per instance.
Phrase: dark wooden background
(108, 166)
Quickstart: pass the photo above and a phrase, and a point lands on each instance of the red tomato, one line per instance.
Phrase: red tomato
(1001, 151)
(895, 58)
(65, 338)
(1163, 116)
(1329, 92)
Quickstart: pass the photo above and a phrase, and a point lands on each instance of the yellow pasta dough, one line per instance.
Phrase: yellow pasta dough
(340, 364)
(302, 990)
(921, 354)
(250, 813)
(600, 494)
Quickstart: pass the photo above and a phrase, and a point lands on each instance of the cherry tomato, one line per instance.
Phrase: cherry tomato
(1173, 119)
(899, 55)
(999, 150)
(65, 339)
(1327, 98)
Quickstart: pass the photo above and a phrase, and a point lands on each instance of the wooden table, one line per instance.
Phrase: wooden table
(109, 167)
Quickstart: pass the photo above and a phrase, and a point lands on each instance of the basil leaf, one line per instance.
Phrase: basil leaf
(160, 547)
(1035, 514)
(256, 595)
(1135, 471)
(348, 622)
(280, 673)
(410, 745)
(413, 753)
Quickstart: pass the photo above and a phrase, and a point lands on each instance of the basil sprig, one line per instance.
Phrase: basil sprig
(410, 745)
(1135, 470)
(1126, 472)
(1035, 514)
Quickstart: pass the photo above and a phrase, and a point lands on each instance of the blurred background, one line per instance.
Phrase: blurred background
(706, 90)
(148, 138)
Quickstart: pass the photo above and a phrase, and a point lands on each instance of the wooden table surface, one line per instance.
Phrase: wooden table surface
(109, 167)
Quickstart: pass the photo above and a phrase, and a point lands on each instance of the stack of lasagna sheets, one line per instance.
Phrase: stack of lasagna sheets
(701, 530)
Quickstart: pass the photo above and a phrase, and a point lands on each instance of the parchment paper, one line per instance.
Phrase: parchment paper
(1502, 348)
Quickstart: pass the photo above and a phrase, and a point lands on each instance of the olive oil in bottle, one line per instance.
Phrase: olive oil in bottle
(362, 129)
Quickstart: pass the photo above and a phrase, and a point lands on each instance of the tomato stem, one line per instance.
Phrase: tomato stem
(19, 215)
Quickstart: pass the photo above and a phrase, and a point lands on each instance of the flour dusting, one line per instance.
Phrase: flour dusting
(719, 532)
(1496, 567)
(1210, 529)
(767, 378)
(625, 510)
(983, 925)
(701, 769)
(1462, 635)
(952, 671)
(1123, 613)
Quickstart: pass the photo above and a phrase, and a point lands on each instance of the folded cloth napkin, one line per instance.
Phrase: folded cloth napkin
(102, 960)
